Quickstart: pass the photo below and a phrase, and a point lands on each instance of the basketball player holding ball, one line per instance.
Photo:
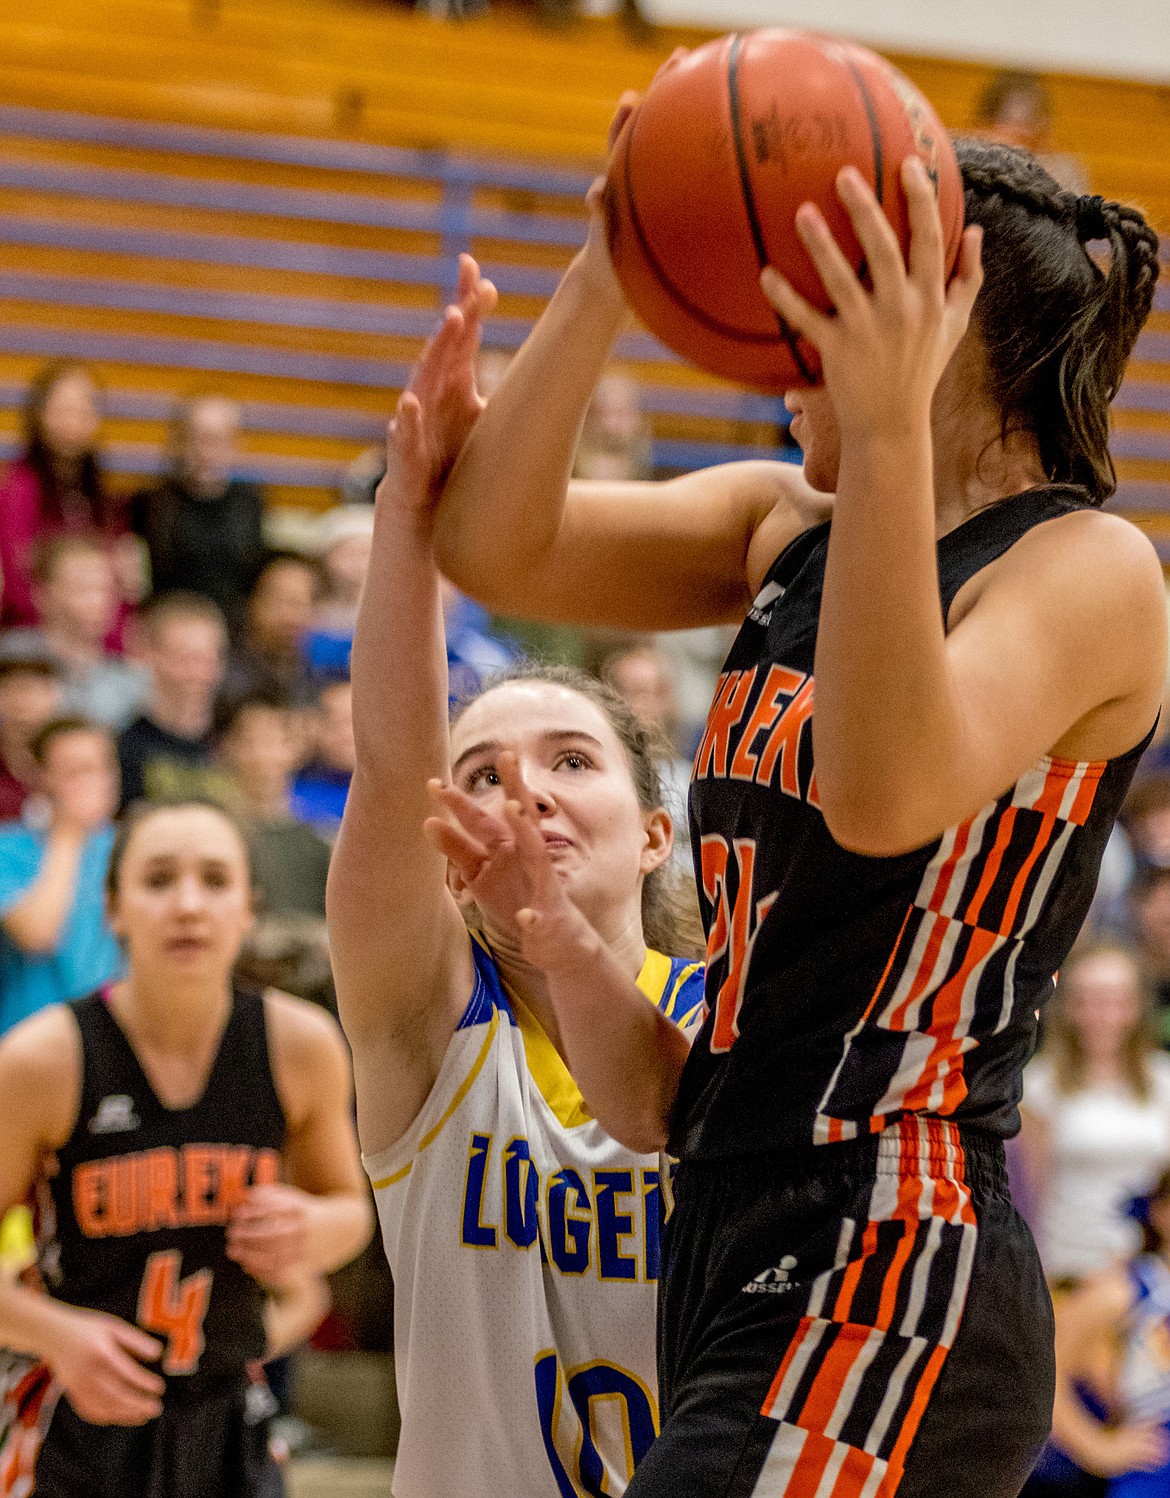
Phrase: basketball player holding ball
(849, 1303)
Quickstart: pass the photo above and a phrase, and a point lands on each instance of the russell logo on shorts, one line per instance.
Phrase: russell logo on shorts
(115, 1115)
(773, 1281)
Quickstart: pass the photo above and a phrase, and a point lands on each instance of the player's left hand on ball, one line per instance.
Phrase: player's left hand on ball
(883, 350)
(269, 1232)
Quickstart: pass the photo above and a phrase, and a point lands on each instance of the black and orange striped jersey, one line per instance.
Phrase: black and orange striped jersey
(132, 1213)
(845, 991)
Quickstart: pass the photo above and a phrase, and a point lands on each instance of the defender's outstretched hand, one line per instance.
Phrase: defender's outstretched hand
(441, 404)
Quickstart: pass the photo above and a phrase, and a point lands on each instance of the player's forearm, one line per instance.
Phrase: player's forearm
(625, 1056)
(501, 508)
(399, 663)
(293, 1314)
(340, 1226)
(36, 920)
(30, 1321)
(886, 725)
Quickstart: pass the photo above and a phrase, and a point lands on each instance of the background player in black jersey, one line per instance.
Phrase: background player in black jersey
(191, 1150)
(849, 1304)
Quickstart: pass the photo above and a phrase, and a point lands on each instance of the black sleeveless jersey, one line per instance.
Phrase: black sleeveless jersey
(132, 1212)
(845, 990)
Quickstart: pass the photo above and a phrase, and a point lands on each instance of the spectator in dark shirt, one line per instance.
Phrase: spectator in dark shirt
(55, 486)
(166, 752)
(321, 788)
(30, 695)
(262, 743)
(203, 526)
(271, 654)
(77, 599)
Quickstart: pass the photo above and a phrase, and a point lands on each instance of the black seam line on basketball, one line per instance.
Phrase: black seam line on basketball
(749, 200)
(704, 319)
(879, 165)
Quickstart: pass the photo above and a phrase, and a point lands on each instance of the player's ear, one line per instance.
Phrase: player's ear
(459, 887)
(659, 839)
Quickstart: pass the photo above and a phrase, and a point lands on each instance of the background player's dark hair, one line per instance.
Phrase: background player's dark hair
(669, 917)
(1056, 326)
(142, 811)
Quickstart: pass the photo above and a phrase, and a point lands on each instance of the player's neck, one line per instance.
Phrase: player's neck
(977, 459)
(171, 1017)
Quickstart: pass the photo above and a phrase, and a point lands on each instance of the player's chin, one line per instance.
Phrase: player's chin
(819, 472)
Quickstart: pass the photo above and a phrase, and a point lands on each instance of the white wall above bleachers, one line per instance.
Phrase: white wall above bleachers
(1118, 38)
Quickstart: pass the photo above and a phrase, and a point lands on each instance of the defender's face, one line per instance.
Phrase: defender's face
(576, 770)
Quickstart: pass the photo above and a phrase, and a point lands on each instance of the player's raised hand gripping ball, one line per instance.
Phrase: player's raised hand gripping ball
(711, 165)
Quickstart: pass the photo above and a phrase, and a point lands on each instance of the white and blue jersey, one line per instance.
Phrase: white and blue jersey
(1144, 1382)
(524, 1244)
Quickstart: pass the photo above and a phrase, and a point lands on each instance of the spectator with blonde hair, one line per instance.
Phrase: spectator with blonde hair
(1096, 1113)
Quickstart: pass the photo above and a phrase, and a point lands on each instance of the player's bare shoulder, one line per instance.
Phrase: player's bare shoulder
(306, 1049)
(1099, 567)
(1090, 585)
(40, 1071)
(786, 504)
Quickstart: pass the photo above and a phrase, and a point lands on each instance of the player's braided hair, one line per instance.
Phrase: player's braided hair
(1057, 327)
(669, 916)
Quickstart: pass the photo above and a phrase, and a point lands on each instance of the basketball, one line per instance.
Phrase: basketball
(710, 168)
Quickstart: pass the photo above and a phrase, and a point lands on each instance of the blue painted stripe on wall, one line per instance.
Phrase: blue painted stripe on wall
(382, 319)
(293, 150)
(170, 191)
(269, 254)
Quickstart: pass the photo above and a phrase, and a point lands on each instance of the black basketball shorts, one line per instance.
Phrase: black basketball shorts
(210, 1442)
(867, 1320)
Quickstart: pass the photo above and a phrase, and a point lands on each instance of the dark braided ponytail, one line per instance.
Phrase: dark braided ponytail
(1057, 328)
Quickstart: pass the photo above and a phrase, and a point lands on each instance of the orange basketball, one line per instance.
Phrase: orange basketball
(710, 168)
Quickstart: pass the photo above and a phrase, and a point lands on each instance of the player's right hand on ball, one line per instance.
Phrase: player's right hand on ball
(99, 1362)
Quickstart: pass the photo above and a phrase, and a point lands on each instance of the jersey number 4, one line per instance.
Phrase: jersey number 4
(175, 1308)
(736, 918)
